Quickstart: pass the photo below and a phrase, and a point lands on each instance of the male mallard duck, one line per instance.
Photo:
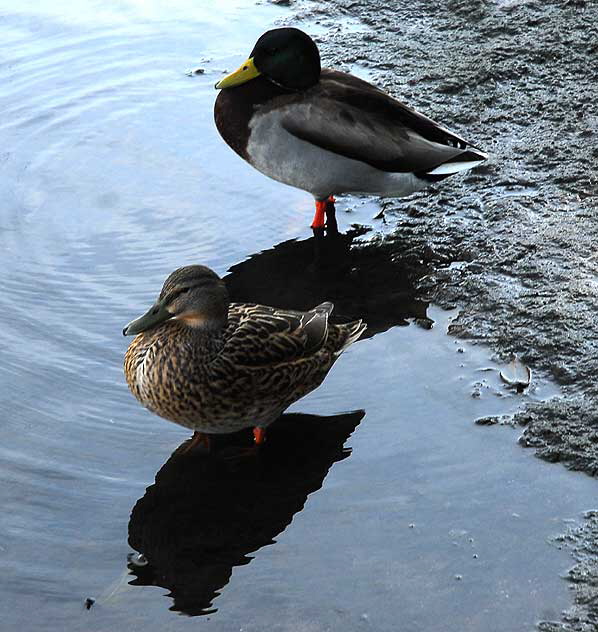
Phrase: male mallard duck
(217, 367)
(329, 132)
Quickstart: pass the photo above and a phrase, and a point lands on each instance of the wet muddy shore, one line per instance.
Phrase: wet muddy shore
(513, 244)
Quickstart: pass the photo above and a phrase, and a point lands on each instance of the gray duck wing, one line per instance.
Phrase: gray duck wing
(355, 119)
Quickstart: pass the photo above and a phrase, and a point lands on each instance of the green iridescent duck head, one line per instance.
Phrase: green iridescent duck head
(288, 57)
(194, 295)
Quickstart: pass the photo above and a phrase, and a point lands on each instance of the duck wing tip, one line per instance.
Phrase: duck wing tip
(469, 159)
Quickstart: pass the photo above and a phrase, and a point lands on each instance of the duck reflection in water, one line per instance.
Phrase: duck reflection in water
(207, 512)
(370, 280)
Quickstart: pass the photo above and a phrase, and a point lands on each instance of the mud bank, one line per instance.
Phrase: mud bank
(513, 244)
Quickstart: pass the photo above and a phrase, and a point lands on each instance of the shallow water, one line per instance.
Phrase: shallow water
(113, 175)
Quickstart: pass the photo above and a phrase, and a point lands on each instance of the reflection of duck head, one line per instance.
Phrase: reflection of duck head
(206, 513)
(367, 280)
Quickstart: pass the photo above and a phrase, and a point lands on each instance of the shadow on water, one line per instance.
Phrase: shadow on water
(206, 513)
(363, 279)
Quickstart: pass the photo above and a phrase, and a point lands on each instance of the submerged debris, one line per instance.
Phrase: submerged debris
(195, 71)
(492, 420)
(516, 374)
(137, 559)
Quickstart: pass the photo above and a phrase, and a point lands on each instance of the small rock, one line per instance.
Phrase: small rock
(424, 323)
(486, 421)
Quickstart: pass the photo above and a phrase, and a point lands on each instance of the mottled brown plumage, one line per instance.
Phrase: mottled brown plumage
(219, 375)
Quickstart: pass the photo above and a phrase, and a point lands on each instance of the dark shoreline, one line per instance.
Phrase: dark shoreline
(517, 80)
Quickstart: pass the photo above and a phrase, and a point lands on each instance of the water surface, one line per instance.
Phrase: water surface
(112, 176)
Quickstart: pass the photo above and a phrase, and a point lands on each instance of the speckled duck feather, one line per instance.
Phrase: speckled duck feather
(245, 375)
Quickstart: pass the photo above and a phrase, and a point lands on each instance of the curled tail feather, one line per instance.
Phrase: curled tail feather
(355, 329)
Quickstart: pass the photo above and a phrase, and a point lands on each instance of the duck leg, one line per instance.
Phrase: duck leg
(319, 217)
(325, 217)
(325, 214)
(259, 435)
(198, 438)
(331, 225)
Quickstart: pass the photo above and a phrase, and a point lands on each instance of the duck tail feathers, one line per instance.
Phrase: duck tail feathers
(468, 159)
(354, 331)
(325, 307)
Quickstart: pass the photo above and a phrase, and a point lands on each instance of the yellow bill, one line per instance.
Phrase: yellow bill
(245, 72)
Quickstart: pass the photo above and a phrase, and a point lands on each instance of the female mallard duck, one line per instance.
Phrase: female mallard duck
(217, 367)
(329, 132)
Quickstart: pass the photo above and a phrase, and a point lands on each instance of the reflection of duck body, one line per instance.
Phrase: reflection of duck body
(205, 515)
(217, 367)
(329, 132)
(370, 279)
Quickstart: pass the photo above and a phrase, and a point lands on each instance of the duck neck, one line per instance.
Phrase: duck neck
(207, 322)
(235, 106)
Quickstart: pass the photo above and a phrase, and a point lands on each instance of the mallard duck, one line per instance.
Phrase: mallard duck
(328, 132)
(218, 367)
